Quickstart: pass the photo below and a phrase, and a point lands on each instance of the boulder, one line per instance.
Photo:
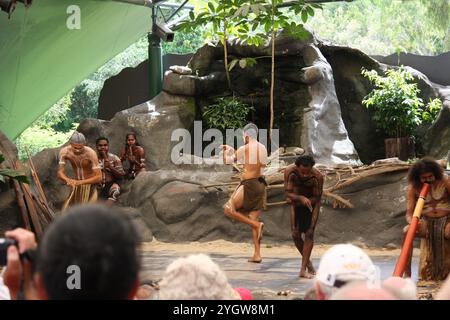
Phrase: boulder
(9, 211)
(437, 139)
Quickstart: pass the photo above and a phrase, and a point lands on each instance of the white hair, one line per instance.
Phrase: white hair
(195, 277)
(251, 130)
(77, 138)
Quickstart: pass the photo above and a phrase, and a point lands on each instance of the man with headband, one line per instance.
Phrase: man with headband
(248, 198)
(86, 170)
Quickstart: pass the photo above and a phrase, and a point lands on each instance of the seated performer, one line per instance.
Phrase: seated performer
(303, 186)
(248, 198)
(133, 154)
(112, 171)
(434, 225)
(86, 169)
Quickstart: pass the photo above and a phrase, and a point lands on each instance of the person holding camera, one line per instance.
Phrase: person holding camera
(16, 251)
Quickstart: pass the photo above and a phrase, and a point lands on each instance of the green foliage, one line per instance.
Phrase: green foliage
(226, 113)
(397, 108)
(385, 26)
(18, 175)
(35, 139)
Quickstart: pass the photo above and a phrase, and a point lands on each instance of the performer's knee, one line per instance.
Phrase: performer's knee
(227, 210)
(309, 236)
(447, 233)
(114, 194)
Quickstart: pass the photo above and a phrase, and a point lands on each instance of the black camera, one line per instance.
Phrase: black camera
(5, 243)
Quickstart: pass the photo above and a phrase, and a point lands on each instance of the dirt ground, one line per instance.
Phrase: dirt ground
(277, 273)
(232, 248)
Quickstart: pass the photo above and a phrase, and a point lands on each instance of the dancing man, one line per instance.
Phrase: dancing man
(248, 199)
(304, 186)
(86, 169)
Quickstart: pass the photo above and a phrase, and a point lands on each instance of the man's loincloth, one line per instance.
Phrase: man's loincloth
(81, 194)
(434, 250)
(254, 194)
(302, 218)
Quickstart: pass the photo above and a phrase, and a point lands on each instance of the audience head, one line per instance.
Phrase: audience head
(362, 290)
(244, 293)
(340, 265)
(195, 277)
(90, 252)
(401, 288)
(444, 292)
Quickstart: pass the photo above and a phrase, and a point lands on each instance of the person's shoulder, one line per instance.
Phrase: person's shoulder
(90, 151)
(261, 145)
(114, 157)
(289, 170)
(64, 150)
(319, 175)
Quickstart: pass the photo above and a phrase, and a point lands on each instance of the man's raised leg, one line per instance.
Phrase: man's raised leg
(236, 201)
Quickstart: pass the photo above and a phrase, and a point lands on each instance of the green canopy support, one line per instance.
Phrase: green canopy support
(155, 64)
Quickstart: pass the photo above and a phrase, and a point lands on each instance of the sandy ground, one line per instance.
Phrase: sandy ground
(232, 248)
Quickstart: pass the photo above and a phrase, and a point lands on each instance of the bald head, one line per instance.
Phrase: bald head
(362, 291)
(402, 288)
(444, 292)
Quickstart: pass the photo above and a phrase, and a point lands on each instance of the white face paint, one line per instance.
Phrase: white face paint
(77, 148)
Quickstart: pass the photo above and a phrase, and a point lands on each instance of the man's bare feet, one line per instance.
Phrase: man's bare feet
(306, 275)
(260, 231)
(255, 259)
(311, 268)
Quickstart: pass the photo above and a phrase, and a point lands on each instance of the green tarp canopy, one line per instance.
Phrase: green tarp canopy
(41, 59)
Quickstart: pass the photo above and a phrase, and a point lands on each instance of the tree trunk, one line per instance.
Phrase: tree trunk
(272, 86)
(402, 148)
(225, 53)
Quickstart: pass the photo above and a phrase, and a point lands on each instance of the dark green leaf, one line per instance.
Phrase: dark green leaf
(304, 16)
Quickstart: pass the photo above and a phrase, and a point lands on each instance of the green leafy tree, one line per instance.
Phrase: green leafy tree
(381, 26)
(270, 16)
(226, 113)
(397, 108)
(217, 15)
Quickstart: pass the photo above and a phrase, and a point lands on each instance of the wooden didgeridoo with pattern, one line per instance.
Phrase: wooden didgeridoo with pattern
(408, 243)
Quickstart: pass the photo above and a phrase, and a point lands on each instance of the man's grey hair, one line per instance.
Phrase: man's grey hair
(251, 130)
(77, 138)
(195, 277)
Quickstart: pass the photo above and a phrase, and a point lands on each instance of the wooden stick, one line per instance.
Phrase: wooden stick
(21, 204)
(219, 184)
(36, 178)
(338, 198)
(32, 211)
